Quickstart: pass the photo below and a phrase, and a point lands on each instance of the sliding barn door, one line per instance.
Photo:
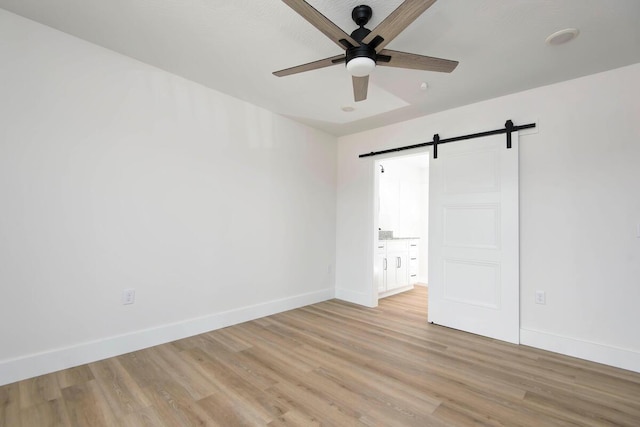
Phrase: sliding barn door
(473, 237)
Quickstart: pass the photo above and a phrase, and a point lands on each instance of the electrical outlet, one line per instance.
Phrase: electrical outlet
(541, 297)
(128, 296)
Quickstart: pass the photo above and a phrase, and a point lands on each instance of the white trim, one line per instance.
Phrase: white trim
(17, 369)
(395, 291)
(595, 352)
(360, 298)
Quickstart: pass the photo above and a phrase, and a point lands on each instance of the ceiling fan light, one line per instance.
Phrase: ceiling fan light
(361, 66)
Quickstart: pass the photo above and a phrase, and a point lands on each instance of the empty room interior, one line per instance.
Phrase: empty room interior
(381, 213)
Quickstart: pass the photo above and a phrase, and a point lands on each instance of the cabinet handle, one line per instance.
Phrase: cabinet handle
(413, 275)
(385, 264)
(413, 259)
(399, 261)
(414, 245)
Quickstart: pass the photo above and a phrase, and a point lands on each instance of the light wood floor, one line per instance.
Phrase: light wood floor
(331, 363)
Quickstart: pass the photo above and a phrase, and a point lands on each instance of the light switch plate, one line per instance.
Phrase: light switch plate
(128, 296)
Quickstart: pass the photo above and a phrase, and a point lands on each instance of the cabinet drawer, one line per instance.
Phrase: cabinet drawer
(381, 247)
(397, 246)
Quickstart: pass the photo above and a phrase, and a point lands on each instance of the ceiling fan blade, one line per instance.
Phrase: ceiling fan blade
(399, 19)
(327, 62)
(360, 87)
(321, 22)
(417, 62)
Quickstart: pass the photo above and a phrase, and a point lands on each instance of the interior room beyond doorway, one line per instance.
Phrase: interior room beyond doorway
(402, 219)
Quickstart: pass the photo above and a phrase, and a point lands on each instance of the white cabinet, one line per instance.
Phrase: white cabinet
(396, 265)
(380, 273)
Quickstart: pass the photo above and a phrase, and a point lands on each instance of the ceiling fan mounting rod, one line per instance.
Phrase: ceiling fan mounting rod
(361, 15)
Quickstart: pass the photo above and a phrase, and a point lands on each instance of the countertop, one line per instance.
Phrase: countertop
(400, 238)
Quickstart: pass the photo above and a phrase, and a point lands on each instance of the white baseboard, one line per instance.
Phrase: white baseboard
(17, 369)
(395, 291)
(360, 298)
(595, 352)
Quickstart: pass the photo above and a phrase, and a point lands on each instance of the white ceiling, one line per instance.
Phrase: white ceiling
(234, 46)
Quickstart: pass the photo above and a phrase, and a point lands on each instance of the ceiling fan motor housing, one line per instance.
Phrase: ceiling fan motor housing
(359, 51)
(360, 60)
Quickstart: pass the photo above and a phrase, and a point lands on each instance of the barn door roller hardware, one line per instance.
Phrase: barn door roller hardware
(509, 127)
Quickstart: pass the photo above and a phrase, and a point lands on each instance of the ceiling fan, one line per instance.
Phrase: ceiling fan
(365, 48)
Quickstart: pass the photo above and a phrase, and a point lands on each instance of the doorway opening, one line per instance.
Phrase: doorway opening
(401, 220)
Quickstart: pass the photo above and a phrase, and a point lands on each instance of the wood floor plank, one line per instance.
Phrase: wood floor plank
(52, 413)
(294, 418)
(38, 390)
(182, 372)
(10, 405)
(87, 406)
(249, 398)
(580, 411)
(304, 398)
(364, 380)
(224, 410)
(175, 406)
(246, 368)
(73, 376)
(331, 363)
(146, 417)
(230, 341)
(120, 390)
(142, 369)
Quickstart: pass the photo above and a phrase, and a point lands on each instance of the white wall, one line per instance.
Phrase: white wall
(399, 198)
(114, 174)
(579, 209)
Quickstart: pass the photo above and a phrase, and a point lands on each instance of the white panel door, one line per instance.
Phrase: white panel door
(473, 238)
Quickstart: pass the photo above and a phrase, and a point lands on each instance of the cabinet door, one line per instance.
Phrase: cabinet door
(402, 269)
(381, 272)
(413, 262)
(397, 270)
(392, 267)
